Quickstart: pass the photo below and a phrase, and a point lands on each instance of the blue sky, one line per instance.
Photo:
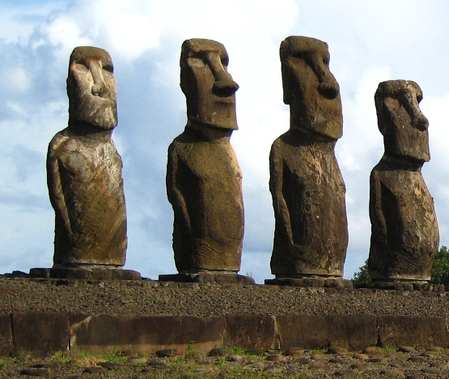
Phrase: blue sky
(369, 42)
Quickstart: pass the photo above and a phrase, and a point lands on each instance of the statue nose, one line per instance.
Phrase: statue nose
(99, 86)
(420, 122)
(224, 86)
(328, 89)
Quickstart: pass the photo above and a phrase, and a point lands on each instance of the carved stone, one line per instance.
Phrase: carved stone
(203, 175)
(308, 191)
(404, 229)
(84, 172)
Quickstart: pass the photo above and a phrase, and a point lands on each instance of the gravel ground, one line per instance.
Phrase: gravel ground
(148, 297)
(156, 298)
(374, 363)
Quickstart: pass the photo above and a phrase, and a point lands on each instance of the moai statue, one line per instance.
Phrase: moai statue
(84, 176)
(404, 229)
(203, 175)
(306, 184)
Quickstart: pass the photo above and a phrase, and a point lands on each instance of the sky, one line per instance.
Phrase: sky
(369, 42)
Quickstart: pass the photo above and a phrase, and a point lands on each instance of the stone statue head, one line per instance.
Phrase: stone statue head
(91, 88)
(208, 86)
(401, 121)
(310, 88)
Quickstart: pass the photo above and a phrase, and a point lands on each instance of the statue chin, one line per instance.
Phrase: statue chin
(102, 118)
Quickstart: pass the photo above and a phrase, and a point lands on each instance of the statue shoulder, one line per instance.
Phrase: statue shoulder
(61, 144)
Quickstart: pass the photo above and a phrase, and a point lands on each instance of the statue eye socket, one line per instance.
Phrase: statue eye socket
(109, 68)
(81, 67)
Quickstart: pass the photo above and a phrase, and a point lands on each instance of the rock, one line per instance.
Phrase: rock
(216, 352)
(109, 365)
(404, 229)
(363, 366)
(361, 356)
(338, 360)
(416, 359)
(167, 353)
(319, 357)
(52, 366)
(294, 351)
(346, 373)
(276, 358)
(308, 191)
(373, 350)
(337, 350)
(236, 358)
(407, 349)
(35, 372)
(382, 360)
(157, 364)
(437, 349)
(393, 373)
(302, 361)
(319, 366)
(93, 370)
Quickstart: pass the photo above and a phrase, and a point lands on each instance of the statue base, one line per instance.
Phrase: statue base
(86, 273)
(311, 281)
(207, 277)
(401, 285)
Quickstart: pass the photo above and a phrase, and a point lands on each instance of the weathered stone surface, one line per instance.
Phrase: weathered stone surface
(6, 342)
(311, 282)
(308, 191)
(404, 229)
(84, 168)
(396, 331)
(256, 332)
(40, 333)
(208, 277)
(352, 332)
(203, 175)
(149, 334)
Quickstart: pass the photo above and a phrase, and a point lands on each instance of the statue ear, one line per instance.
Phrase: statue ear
(286, 84)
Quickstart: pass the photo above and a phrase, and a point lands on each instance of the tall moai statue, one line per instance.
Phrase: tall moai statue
(306, 184)
(84, 175)
(404, 229)
(204, 181)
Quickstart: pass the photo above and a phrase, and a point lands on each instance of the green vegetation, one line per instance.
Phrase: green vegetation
(440, 268)
(440, 271)
(362, 278)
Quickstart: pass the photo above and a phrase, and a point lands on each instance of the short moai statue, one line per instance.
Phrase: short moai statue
(306, 184)
(404, 229)
(203, 175)
(84, 176)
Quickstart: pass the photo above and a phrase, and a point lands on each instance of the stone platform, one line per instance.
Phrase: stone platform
(85, 273)
(145, 316)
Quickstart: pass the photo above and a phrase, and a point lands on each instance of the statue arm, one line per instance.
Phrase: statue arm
(281, 212)
(54, 183)
(174, 194)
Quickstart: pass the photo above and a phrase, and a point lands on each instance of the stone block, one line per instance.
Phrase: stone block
(111, 333)
(256, 332)
(40, 333)
(395, 331)
(353, 332)
(6, 342)
(307, 331)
